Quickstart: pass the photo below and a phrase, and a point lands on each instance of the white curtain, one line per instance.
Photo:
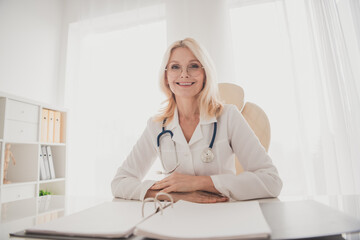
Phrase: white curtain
(297, 61)
(339, 100)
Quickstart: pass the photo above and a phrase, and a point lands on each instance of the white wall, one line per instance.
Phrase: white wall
(30, 35)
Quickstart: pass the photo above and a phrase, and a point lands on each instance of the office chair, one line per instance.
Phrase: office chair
(258, 121)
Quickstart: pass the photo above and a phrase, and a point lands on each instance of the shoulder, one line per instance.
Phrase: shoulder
(229, 110)
(231, 116)
(153, 125)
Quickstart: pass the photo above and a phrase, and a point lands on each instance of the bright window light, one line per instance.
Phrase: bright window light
(263, 68)
(115, 93)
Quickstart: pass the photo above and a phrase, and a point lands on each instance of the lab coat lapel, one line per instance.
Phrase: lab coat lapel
(174, 126)
(179, 137)
(198, 134)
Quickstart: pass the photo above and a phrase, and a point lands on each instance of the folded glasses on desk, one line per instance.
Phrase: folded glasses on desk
(157, 203)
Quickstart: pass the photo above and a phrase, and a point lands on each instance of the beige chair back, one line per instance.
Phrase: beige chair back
(258, 121)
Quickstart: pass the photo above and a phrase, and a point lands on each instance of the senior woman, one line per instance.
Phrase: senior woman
(195, 137)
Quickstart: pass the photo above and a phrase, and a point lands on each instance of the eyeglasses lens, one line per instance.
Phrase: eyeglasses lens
(193, 69)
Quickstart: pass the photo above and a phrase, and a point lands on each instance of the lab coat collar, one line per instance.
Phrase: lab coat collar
(198, 135)
(175, 122)
(174, 126)
(179, 135)
(204, 121)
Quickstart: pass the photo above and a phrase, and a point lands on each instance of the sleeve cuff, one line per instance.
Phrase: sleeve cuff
(217, 184)
(145, 187)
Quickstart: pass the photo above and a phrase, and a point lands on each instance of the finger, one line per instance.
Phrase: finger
(208, 200)
(222, 199)
(202, 198)
(155, 187)
(214, 198)
(158, 186)
(169, 189)
(164, 180)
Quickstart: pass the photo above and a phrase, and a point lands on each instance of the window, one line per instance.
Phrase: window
(264, 69)
(114, 92)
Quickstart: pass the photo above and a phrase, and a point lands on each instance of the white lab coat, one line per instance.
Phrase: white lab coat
(259, 180)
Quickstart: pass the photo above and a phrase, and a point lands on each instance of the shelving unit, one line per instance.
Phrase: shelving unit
(20, 126)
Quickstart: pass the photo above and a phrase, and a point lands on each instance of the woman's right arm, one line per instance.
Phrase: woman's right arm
(127, 182)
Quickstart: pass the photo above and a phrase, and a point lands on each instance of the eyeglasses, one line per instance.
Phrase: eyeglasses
(193, 69)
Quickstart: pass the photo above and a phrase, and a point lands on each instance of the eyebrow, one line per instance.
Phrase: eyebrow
(193, 60)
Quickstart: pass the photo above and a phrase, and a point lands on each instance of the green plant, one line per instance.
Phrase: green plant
(44, 192)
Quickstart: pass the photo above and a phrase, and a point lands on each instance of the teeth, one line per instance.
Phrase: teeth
(185, 84)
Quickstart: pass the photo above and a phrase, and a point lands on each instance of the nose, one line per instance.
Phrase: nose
(184, 73)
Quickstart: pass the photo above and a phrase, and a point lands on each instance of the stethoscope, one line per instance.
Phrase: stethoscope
(207, 156)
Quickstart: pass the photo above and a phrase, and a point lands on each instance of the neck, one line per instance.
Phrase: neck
(188, 109)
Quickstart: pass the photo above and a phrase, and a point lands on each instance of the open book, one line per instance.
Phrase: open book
(184, 220)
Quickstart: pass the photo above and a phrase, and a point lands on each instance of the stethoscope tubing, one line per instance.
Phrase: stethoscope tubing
(172, 134)
(214, 135)
(162, 133)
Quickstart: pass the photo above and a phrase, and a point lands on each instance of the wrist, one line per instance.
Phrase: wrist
(204, 182)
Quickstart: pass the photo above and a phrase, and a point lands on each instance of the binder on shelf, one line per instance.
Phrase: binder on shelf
(184, 220)
(44, 124)
(50, 137)
(57, 127)
(42, 168)
(46, 162)
(51, 162)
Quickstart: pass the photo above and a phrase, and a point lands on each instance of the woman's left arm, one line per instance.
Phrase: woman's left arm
(260, 178)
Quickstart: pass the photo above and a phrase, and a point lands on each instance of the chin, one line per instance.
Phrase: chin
(186, 95)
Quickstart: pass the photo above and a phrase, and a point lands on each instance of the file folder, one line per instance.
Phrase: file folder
(42, 168)
(51, 162)
(46, 162)
(50, 137)
(57, 127)
(44, 125)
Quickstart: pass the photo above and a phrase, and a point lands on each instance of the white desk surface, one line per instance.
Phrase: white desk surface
(19, 215)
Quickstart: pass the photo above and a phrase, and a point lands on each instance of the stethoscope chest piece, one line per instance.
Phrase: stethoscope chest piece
(207, 156)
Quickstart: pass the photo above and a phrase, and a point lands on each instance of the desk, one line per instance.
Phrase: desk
(19, 215)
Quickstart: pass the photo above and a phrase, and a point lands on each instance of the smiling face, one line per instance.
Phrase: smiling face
(184, 73)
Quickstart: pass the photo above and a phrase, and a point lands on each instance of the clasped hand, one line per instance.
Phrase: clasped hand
(189, 188)
(177, 182)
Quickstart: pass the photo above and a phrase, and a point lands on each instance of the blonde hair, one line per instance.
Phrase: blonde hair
(209, 100)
